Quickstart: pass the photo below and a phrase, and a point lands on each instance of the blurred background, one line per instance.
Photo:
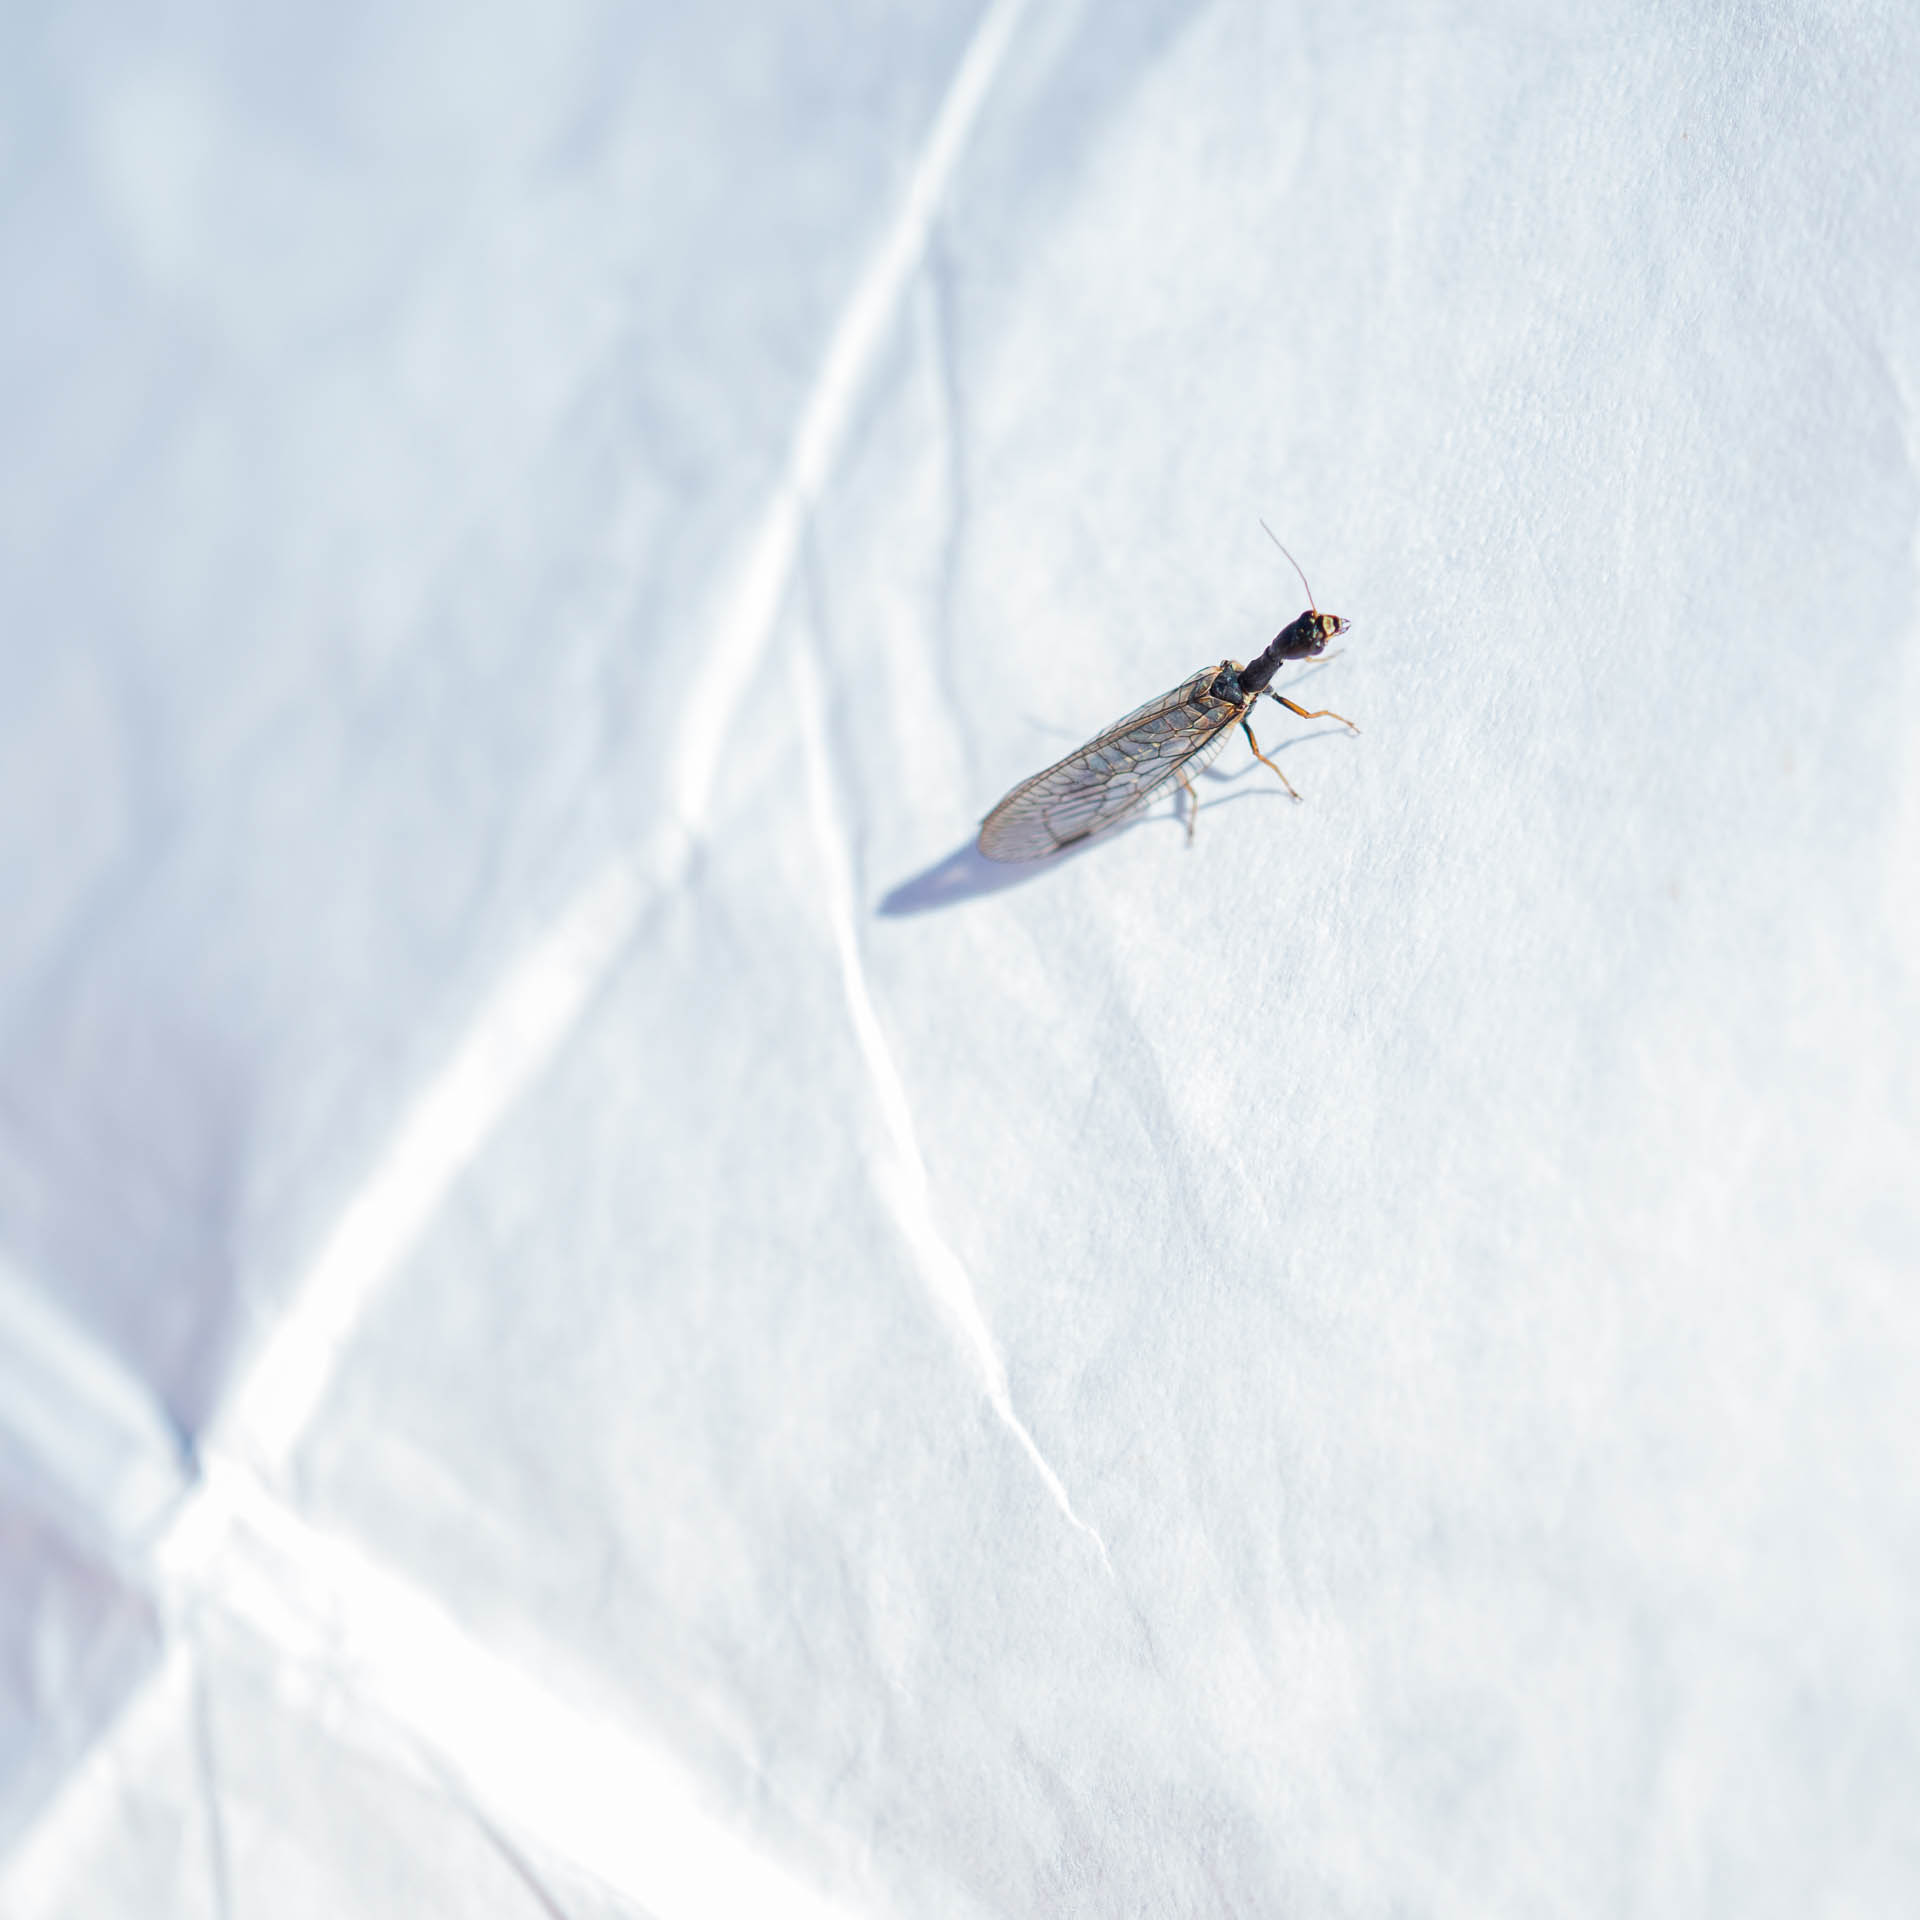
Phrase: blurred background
(597, 1318)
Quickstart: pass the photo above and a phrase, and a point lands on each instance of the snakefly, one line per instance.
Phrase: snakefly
(1168, 739)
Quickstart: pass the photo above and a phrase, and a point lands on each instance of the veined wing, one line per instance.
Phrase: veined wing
(1102, 782)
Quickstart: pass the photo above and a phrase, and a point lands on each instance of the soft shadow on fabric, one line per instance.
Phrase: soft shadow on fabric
(965, 874)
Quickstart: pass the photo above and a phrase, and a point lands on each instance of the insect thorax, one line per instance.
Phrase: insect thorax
(1225, 685)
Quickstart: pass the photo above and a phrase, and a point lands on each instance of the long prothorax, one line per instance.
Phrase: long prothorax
(1303, 640)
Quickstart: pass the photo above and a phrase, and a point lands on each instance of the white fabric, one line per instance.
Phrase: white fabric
(597, 1317)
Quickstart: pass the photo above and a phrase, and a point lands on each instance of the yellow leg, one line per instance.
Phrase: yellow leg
(1325, 713)
(1262, 758)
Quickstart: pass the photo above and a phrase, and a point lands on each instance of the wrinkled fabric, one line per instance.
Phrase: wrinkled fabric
(597, 1316)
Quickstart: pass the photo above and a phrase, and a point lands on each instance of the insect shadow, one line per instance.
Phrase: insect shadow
(967, 874)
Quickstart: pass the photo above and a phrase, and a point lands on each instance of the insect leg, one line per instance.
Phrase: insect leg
(1262, 758)
(1193, 804)
(1325, 713)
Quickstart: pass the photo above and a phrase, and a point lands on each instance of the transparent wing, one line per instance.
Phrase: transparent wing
(1104, 781)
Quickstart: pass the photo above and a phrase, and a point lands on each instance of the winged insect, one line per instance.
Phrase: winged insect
(1169, 739)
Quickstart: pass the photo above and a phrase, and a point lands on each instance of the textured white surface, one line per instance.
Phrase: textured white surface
(596, 1318)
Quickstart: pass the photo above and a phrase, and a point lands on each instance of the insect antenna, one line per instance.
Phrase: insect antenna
(1312, 604)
